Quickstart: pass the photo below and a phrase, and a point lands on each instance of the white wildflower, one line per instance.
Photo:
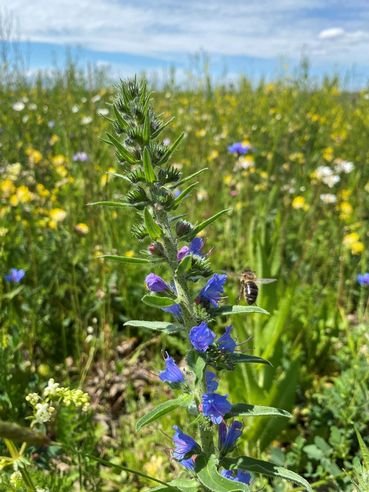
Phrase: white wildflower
(75, 108)
(19, 106)
(344, 166)
(328, 198)
(51, 388)
(96, 98)
(103, 111)
(86, 120)
(43, 412)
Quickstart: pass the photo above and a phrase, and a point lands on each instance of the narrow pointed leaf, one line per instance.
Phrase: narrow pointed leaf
(214, 481)
(157, 301)
(239, 358)
(230, 310)
(108, 203)
(183, 195)
(152, 228)
(245, 410)
(364, 449)
(185, 265)
(122, 151)
(121, 121)
(265, 468)
(207, 222)
(162, 409)
(164, 125)
(147, 165)
(124, 259)
(171, 149)
(191, 176)
(155, 325)
(146, 128)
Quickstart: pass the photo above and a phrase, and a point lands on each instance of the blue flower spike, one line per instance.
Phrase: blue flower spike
(226, 342)
(185, 445)
(215, 406)
(172, 373)
(211, 384)
(228, 436)
(213, 290)
(201, 337)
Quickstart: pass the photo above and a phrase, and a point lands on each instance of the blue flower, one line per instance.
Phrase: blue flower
(201, 337)
(363, 279)
(156, 283)
(227, 437)
(239, 148)
(15, 275)
(172, 373)
(189, 463)
(226, 342)
(213, 290)
(215, 406)
(80, 157)
(194, 247)
(241, 476)
(182, 252)
(211, 384)
(185, 445)
(174, 309)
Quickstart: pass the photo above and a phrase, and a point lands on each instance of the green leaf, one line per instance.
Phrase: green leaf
(213, 480)
(157, 301)
(147, 165)
(122, 151)
(171, 149)
(162, 409)
(146, 128)
(179, 485)
(230, 310)
(249, 359)
(152, 228)
(161, 128)
(363, 448)
(121, 121)
(191, 176)
(207, 222)
(196, 363)
(185, 265)
(124, 259)
(183, 195)
(155, 325)
(265, 468)
(111, 204)
(245, 410)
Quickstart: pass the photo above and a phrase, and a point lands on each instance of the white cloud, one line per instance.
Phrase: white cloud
(258, 28)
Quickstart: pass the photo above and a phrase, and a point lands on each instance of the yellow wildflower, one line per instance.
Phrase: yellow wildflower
(352, 242)
(59, 160)
(227, 179)
(328, 154)
(81, 228)
(53, 139)
(130, 253)
(42, 191)
(213, 155)
(345, 209)
(299, 203)
(200, 133)
(56, 215)
(13, 171)
(7, 187)
(34, 156)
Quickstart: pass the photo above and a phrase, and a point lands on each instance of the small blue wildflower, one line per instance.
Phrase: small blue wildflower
(185, 445)
(211, 384)
(226, 342)
(172, 373)
(213, 290)
(201, 337)
(189, 463)
(239, 148)
(194, 247)
(175, 309)
(227, 436)
(80, 157)
(156, 283)
(363, 279)
(15, 275)
(215, 406)
(241, 476)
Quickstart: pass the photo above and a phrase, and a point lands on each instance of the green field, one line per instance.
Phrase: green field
(299, 205)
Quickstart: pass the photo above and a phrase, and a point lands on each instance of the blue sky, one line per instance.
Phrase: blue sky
(253, 37)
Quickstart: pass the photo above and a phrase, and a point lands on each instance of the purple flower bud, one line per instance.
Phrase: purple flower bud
(185, 445)
(227, 436)
(156, 283)
(172, 373)
(215, 406)
(213, 290)
(211, 384)
(201, 337)
(14, 275)
(226, 342)
(156, 249)
(183, 252)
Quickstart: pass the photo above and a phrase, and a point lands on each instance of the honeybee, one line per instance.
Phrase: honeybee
(249, 289)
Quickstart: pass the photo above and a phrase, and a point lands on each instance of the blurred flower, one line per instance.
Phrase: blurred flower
(239, 148)
(86, 120)
(352, 242)
(81, 228)
(102, 111)
(363, 279)
(53, 139)
(326, 175)
(172, 373)
(328, 198)
(343, 166)
(202, 195)
(299, 202)
(345, 209)
(201, 337)
(156, 283)
(57, 214)
(227, 436)
(15, 275)
(80, 157)
(328, 154)
(213, 289)
(166, 141)
(215, 406)
(75, 108)
(241, 476)
(34, 155)
(19, 106)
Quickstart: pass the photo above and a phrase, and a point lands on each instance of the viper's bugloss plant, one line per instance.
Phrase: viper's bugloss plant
(193, 294)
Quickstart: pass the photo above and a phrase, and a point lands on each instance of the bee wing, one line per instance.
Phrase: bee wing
(265, 280)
